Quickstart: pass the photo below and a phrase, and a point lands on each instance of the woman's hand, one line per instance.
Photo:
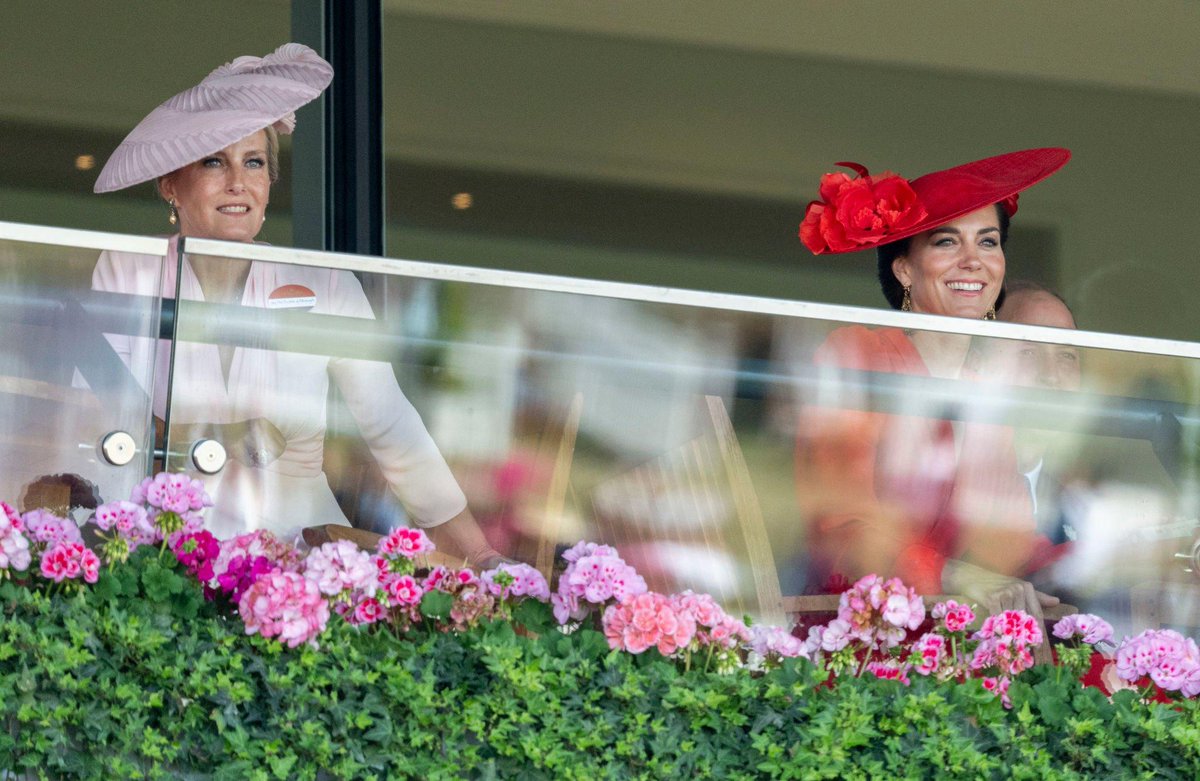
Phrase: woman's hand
(461, 536)
(994, 593)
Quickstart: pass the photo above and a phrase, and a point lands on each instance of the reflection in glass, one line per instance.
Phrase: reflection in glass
(717, 451)
(62, 388)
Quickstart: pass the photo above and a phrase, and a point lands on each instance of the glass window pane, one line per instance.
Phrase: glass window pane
(757, 449)
(69, 96)
(77, 364)
(680, 149)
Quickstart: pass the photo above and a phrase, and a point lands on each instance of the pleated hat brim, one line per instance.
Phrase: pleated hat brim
(234, 101)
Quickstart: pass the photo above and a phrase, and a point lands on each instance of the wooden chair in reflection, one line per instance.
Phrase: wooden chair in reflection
(691, 518)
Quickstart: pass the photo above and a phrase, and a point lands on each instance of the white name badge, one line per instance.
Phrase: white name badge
(291, 297)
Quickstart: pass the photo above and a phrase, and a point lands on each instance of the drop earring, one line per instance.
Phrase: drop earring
(906, 303)
(172, 212)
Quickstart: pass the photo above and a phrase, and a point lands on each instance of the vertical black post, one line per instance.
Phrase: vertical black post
(354, 127)
(349, 185)
(309, 170)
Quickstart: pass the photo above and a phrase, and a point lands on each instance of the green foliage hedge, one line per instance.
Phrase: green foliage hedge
(138, 677)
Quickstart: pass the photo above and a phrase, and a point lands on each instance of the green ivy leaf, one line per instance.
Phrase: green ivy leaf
(436, 604)
(537, 617)
(160, 582)
(108, 587)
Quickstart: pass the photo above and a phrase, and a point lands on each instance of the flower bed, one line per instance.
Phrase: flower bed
(190, 657)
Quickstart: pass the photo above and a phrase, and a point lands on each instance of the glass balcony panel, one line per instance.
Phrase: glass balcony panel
(77, 364)
(720, 443)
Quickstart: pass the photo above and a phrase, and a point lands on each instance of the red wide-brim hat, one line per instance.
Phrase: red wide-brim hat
(857, 213)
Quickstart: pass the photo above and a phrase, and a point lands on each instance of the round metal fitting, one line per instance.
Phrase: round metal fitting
(118, 448)
(208, 456)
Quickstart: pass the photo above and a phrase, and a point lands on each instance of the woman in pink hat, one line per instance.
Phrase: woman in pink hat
(212, 151)
(939, 504)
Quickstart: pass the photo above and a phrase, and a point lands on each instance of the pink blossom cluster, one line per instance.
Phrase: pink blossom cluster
(449, 580)
(955, 616)
(179, 501)
(172, 492)
(342, 569)
(197, 552)
(1171, 660)
(131, 521)
(1005, 640)
(349, 577)
(402, 590)
(595, 575)
(244, 559)
(405, 542)
(14, 545)
(713, 625)
(472, 601)
(286, 605)
(509, 580)
(1088, 628)
(775, 642)
(394, 568)
(881, 612)
(832, 637)
(70, 560)
(928, 654)
(889, 670)
(998, 685)
(48, 529)
(648, 620)
(933, 653)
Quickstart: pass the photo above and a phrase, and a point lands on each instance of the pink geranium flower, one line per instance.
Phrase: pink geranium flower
(595, 575)
(507, 581)
(1171, 660)
(955, 616)
(881, 612)
(368, 611)
(14, 545)
(70, 560)
(342, 568)
(1087, 627)
(1005, 640)
(403, 590)
(771, 642)
(284, 605)
(405, 542)
(648, 620)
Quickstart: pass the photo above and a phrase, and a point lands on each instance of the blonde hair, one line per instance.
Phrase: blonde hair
(272, 161)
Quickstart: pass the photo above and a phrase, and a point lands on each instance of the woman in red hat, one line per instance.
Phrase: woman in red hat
(939, 504)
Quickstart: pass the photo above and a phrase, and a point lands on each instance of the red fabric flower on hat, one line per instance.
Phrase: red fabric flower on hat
(860, 212)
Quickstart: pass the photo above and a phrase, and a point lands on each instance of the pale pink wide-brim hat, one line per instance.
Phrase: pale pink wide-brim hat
(234, 101)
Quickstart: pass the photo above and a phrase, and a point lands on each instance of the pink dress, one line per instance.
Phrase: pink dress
(289, 389)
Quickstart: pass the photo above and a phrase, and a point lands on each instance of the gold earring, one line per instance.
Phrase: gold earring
(172, 212)
(906, 304)
(990, 314)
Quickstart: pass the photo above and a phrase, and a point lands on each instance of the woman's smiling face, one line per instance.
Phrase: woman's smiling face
(223, 195)
(956, 269)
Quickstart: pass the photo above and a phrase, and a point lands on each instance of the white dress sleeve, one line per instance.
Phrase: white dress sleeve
(406, 453)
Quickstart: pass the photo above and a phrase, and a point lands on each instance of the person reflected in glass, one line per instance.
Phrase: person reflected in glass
(213, 153)
(906, 492)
